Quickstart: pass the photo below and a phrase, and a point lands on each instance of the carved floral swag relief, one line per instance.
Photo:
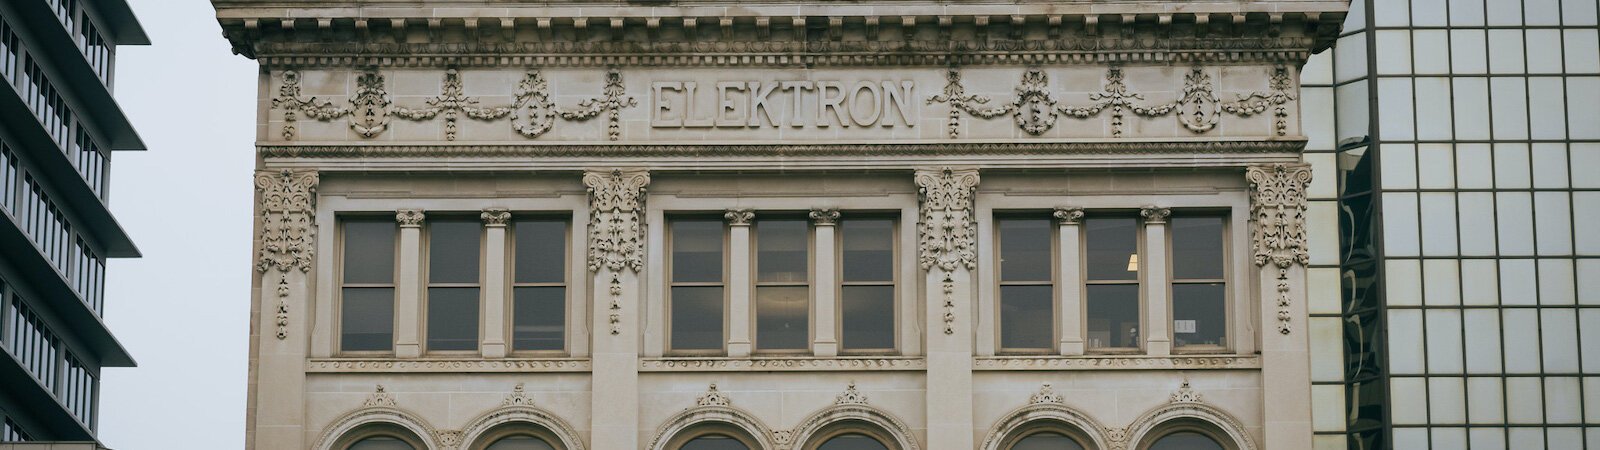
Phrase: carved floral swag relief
(531, 112)
(616, 229)
(288, 229)
(1277, 210)
(947, 228)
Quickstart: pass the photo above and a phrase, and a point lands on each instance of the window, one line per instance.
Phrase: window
(714, 442)
(697, 293)
(366, 317)
(1047, 441)
(453, 301)
(381, 443)
(11, 432)
(1186, 440)
(1199, 292)
(519, 443)
(782, 291)
(852, 442)
(539, 290)
(867, 291)
(1112, 282)
(1027, 290)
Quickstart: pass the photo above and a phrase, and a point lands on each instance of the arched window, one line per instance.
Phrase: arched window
(714, 442)
(381, 443)
(852, 441)
(1047, 441)
(521, 442)
(1186, 440)
(379, 436)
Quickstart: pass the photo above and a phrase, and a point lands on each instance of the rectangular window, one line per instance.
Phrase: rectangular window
(697, 300)
(454, 249)
(539, 285)
(867, 285)
(1027, 288)
(1111, 279)
(1199, 289)
(783, 285)
(366, 316)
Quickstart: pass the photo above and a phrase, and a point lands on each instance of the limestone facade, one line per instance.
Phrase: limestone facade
(618, 119)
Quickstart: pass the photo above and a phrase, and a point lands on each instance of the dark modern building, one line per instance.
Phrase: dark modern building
(59, 126)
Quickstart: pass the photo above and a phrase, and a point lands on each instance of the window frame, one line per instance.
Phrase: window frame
(756, 284)
(840, 283)
(884, 438)
(1140, 248)
(426, 275)
(728, 430)
(1228, 304)
(373, 430)
(1187, 425)
(666, 299)
(1054, 283)
(514, 429)
(512, 284)
(1044, 426)
(339, 267)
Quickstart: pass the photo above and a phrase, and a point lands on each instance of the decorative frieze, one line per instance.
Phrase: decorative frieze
(616, 229)
(702, 151)
(798, 364)
(1115, 362)
(450, 103)
(519, 365)
(1278, 230)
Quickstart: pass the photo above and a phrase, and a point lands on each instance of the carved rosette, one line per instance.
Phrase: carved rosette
(288, 229)
(616, 228)
(947, 228)
(1278, 232)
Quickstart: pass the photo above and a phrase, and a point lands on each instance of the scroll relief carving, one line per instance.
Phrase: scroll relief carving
(531, 113)
(947, 228)
(1278, 231)
(1036, 109)
(616, 228)
(288, 229)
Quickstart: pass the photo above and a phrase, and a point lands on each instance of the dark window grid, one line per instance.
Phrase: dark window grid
(511, 270)
(1137, 281)
(427, 274)
(1055, 295)
(390, 285)
(892, 282)
(721, 284)
(757, 284)
(1227, 295)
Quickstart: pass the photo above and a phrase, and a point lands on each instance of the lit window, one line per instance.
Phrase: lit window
(696, 296)
(783, 291)
(1199, 294)
(453, 255)
(1112, 282)
(366, 317)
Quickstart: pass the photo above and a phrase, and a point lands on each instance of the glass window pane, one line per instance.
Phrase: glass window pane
(868, 253)
(1466, 12)
(1468, 52)
(541, 251)
(1186, 440)
(1584, 101)
(453, 251)
(539, 318)
(1471, 108)
(1047, 441)
(714, 442)
(1197, 248)
(1433, 105)
(1485, 400)
(520, 443)
(369, 251)
(366, 319)
(1113, 316)
(1112, 246)
(1505, 12)
(1199, 314)
(1582, 50)
(1394, 52)
(697, 318)
(1549, 119)
(1510, 113)
(1521, 331)
(867, 313)
(1483, 349)
(1025, 250)
(697, 251)
(1515, 230)
(1395, 101)
(781, 317)
(381, 443)
(1444, 341)
(453, 318)
(1544, 50)
(781, 254)
(852, 442)
(1027, 317)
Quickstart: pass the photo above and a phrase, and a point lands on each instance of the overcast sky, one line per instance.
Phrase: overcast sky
(183, 309)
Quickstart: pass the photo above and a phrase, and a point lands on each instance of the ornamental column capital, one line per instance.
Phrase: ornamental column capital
(409, 218)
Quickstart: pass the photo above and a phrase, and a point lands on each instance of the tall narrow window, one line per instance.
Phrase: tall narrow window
(366, 314)
(1199, 294)
(453, 254)
(867, 294)
(1112, 291)
(539, 293)
(783, 289)
(697, 298)
(1027, 289)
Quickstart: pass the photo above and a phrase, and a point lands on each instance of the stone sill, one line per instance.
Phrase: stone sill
(783, 364)
(1115, 362)
(450, 365)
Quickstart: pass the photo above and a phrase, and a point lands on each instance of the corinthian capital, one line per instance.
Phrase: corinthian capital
(616, 218)
(288, 218)
(409, 218)
(947, 227)
(1278, 209)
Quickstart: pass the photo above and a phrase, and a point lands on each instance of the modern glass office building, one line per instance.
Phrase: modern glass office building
(59, 126)
(1459, 141)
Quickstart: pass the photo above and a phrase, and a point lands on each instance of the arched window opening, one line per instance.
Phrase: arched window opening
(379, 436)
(853, 441)
(1186, 440)
(714, 442)
(520, 442)
(381, 443)
(1047, 441)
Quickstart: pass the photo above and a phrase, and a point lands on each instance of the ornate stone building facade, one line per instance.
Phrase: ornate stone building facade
(708, 225)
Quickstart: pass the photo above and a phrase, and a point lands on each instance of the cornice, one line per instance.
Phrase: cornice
(1291, 145)
(461, 365)
(1196, 362)
(794, 364)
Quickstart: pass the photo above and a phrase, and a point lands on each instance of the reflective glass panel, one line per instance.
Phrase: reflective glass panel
(539, 318)
(852, 442)
(868, 317)
(453, 251)
(369, 251)
(453, 318)
(1197, 248)
(1113, 315)
(1047, 441)
(1025, 250)
(1112, 245)
(697, 251)
(781, 254)
(1185, 440)
(520, 443)
(868, 252)
(541, 251)
(1199, 314)
(366, 322)
(696, 318)
(1027, 317)
(781, 317)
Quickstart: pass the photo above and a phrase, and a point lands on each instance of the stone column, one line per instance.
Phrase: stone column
(286, 221)
(1070, 279)
(495, 279)
(947, 254)
(740, 290)
(1278, 239)
(408, 287)
(825, 340)
(616, 259)
(1158, 305)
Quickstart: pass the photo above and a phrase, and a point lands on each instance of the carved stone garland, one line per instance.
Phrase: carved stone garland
(288, 229)
(532, 113)
(1278, 208)
(947, 228)
(955, 94)
(616, 228)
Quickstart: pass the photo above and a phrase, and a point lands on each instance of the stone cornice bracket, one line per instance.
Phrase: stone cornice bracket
(1278, 231)
(948, 230)
(611, 102)
(409, 218)
(955, 94)
(824, 216)
(495, 217)
(739, 217)
(616, 228)
(1154, 214)
(288, 230)
(1068, 215)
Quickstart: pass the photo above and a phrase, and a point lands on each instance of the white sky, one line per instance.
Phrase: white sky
(183, 309)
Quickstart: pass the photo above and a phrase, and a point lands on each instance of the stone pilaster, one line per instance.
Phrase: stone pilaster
(495, 279)
(1070, 276)
(408, 286)
(825, 340)
(740, 289)
(1278, 241)
(616, 260)
(947, 254)
(1158, 305)
(287, 227)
